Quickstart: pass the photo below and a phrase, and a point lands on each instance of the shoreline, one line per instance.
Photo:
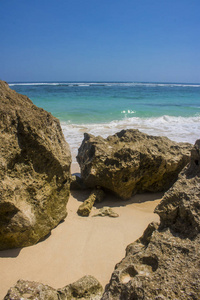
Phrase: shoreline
(80, 245)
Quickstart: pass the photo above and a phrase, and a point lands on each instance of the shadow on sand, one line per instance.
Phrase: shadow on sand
(114, 201)
(10, 253)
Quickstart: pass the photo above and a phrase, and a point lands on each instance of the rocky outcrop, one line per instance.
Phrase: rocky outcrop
(165, 262)
(34, 171)
(86, 288)
(131, 162)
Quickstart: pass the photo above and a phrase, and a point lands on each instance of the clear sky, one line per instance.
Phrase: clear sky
(100, 40)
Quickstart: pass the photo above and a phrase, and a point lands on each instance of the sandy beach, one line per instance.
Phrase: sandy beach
(80, 245)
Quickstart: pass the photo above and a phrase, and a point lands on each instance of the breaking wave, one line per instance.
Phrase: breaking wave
(179, 129)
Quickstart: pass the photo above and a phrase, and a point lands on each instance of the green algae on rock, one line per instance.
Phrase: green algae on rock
(34, 171)
(131, 162)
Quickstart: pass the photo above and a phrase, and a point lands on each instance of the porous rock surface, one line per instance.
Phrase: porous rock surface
(165, 262)
(86, 288)
(34, 171)
(31, 290)
(131, 162)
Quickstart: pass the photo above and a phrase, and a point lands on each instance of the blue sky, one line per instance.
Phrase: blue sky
(112, 40)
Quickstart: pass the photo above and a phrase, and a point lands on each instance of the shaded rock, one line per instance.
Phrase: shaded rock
(180, 206)
(31, 290)
(165, 262)
(131, 162)
(86, 207)
(77, 183)
(87, 287)
(106, 212)
(34, 171)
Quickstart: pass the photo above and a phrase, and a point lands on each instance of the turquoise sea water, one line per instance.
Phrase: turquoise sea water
(103, 108)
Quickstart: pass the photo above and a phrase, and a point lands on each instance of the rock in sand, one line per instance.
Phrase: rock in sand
(131, 162)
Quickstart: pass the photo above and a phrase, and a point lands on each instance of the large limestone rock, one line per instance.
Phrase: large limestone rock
(131, 162)
(34, 171)
(86, 288)
(165, 262)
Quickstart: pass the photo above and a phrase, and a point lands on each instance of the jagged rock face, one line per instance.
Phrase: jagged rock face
(180, 206)
(87, 287)
(131, 162)
(165, 262)
(34, 171)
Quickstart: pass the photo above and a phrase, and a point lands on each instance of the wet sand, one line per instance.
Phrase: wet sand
(80, 245)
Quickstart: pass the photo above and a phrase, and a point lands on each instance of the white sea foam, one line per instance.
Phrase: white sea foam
(129, 111)
(32, 83)
(179, 129)
(87, 84)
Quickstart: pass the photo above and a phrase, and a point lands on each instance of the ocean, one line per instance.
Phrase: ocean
(104, 108)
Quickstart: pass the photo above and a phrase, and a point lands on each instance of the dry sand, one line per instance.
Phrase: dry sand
(80, 245)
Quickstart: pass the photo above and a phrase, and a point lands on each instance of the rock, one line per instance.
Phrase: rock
(34, 171)
(87, 287)
(86, 207)
(165, 262)
(31, 290)
(77, 183)
(106, 212)
(131, 162)
(165, 268)
(180, 206)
